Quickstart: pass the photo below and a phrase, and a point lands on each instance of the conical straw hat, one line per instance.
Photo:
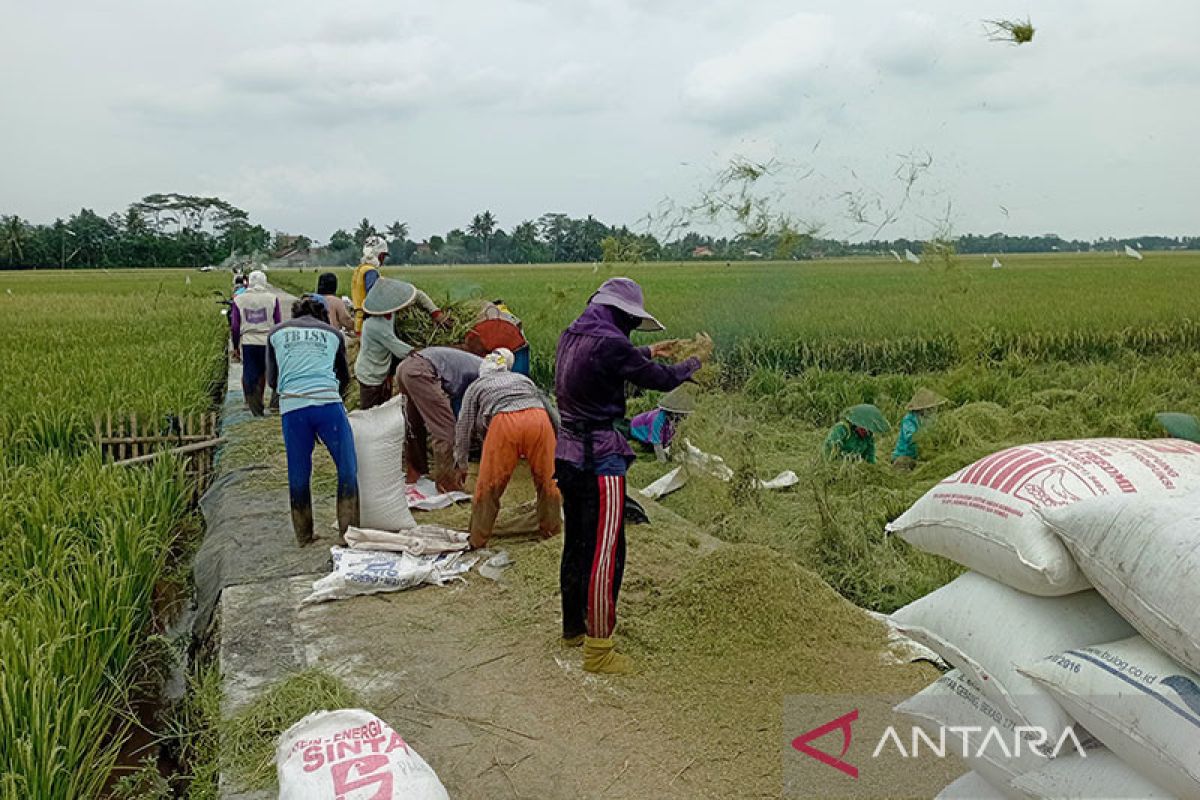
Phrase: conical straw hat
(679, 400)
(869, 417)
(388, 295)
(924, 398)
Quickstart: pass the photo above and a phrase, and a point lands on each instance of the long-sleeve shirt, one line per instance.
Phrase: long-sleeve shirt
(842, 442)
(456, 369)
(252, 314)
(339, 316)
(306, 363)
(594, 361)
(905, 446)
(497, 393)
(380, 345)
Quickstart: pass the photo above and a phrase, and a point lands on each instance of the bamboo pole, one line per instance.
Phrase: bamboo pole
(176, 451)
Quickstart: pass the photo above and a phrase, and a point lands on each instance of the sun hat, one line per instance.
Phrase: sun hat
(869, 417)
(1180, 426)
(679, 400)
(499, 360)
(923, 399)
(388, 295)
(372, 247)
(624, 294)
(258, 279)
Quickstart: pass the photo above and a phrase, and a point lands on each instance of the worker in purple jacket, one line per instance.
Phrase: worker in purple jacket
(595, 359)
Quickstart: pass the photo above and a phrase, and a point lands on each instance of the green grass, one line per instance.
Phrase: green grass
(82, 546)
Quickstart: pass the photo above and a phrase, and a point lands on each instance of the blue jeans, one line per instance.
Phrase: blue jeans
(254, 376)
(301, 430)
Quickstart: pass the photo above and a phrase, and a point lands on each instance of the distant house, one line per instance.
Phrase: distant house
(424, 249)
(753, 254)
(702, 251)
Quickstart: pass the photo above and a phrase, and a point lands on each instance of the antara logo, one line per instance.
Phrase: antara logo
(843, 724)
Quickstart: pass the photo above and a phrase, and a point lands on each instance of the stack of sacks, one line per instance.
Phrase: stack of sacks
(1034, 646)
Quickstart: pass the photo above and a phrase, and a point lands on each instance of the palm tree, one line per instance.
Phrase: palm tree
(482, 227)
(398, 231)
(364, 231)
(12, 238)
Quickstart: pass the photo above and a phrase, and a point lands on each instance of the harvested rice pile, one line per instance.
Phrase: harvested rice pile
(415, 326)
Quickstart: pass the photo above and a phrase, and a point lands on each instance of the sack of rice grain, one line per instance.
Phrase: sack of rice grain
(1143, 555)
(1099, 776)
(1139, 703)
(351, 753)
(983, 515)
(971, 786)
(954, 709)
(379, 447)
(985, 629)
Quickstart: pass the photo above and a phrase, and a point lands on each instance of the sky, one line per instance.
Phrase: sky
(312, 115)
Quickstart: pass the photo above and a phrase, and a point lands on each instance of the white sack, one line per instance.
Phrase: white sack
(1100, 776)
(1143, 554)
(983, 515)
(986, 630)
(358, 572)
(1142, 705)
(419, 541)
(424, 496)
(379, 446)
(971, 786)
(351, 754)
(954, 701)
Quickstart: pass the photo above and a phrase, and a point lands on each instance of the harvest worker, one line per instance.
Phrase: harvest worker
(515, 420)
(595, 359)
(435, 380)
(374, 253)
(923, 403)
(381, 349)
(307, 366)
(854, 436)
(251, 316)
(339, 316)
(656, 428)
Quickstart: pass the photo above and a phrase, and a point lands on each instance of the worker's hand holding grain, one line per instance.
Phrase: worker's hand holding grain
(667, 348)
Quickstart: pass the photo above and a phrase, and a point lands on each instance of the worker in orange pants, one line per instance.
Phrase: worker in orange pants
(516, 420)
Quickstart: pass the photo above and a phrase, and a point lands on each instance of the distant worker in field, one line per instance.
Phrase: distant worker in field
(515, 420)
(854, 436)
(339, 315)
(251, 316)
(656, 428)
(306, 362)
(435, 380)
(381, 350)
(374, 253)
(920, 409)
(595, 359)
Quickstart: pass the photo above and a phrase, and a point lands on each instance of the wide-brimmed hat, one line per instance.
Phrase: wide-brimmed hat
(869, 417)
(388, 295)
(679, 400)
(1180, 426)
(925, 398)
(626, 295)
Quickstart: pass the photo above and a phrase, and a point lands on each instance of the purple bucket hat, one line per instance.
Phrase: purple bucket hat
(626, 295)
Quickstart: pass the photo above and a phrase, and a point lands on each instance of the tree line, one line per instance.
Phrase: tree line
(172, 229)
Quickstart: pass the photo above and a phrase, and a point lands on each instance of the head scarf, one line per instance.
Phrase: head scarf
(499, 360)
(258, 279)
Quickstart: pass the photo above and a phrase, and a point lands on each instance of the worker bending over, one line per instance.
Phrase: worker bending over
(435, 379)
(656, 427)
(306, 364)
(595, 359)
(515, 420)
(919, 409)
(854, 436)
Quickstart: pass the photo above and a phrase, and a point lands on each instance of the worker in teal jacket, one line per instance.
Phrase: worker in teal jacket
(922, 405)
(854, 436)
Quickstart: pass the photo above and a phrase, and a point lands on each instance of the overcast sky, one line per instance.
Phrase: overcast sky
(311, 115)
